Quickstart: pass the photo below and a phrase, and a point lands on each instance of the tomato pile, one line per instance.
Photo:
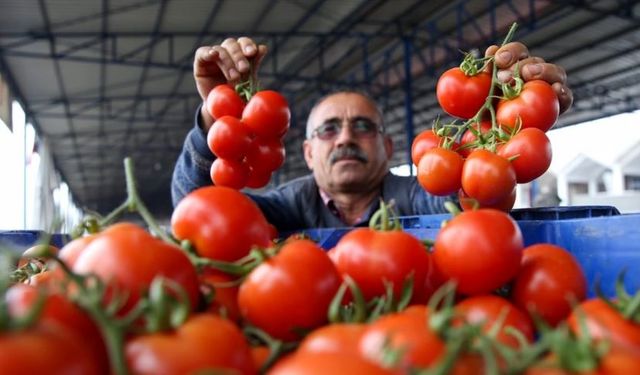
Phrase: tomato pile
(246, 136)
(221, 293)
(500, 142)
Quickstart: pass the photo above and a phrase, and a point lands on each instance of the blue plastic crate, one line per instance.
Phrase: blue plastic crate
(20, 240)
(604, 242)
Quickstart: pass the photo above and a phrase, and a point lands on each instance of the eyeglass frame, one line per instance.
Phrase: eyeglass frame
(377, 128)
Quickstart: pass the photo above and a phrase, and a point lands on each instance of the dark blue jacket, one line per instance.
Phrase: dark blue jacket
(297, 204)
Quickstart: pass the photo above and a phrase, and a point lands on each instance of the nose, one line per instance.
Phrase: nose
(345, 135)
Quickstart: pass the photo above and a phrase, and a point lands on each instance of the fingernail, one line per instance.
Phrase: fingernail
(249, 49)
(233, 74)
(505, 56)
(534, 69)
(504, 75)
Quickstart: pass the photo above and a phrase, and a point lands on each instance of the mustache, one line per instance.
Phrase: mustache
(350, 152)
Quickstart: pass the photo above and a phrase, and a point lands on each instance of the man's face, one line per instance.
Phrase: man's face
(347, 151)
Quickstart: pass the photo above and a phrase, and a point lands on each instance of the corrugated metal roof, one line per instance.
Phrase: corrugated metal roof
(107, 79)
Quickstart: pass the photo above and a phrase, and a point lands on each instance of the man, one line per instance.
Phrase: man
(346, 147)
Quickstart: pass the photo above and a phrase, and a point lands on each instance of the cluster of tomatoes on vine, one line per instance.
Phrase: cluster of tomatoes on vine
(246, 136)
(497, 141)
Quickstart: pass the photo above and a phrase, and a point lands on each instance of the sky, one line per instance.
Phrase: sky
(603, 140)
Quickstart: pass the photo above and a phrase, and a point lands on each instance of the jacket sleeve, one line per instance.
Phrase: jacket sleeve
(193, 165)
(427, 204)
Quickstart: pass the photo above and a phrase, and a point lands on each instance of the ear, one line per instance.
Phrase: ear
(388, 146)
(307, 149)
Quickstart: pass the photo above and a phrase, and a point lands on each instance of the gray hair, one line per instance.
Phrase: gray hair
(309, 130)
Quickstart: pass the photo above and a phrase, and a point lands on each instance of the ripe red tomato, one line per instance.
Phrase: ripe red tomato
(267, 114)
(46, 349)
(536, 107)
(487, 177)
(486, 310)
(613, 362)
(223, 100)
(533, 148)
(424, 141)
(229, 138)
(129, 258)
(225, 293)
(258, 179)
(440, 170)
(220, 222)
(290, 293)
(58, 310)
(203, 342)
(230, 173)
(327, 363)
(467, 203)
(334, 338)
(603, 322)
(266, 155)
(71, 251)
(479, 249)
(407, 332)
(549, 281)
(371, 257)
(460, 95)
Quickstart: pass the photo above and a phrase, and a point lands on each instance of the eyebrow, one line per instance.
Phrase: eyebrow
(351, 119)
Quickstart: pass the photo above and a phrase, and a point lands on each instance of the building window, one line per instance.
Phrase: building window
(578, 188)
(632, 183)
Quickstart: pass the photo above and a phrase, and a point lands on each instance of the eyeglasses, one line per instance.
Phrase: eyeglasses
(361, 127)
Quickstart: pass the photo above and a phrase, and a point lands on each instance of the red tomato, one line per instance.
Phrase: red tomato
(225, 298)
(606, 323)
(536, 107)
(258, 179)
(229, 138)
(220, 222)
(440, 170)
(424, 141)
(549, 281)
(533, 150)
(334, 338)
(267, 114)
(468, 138)
(487, 177)
(479, 249)
(266, 155)
(486, 310)
(290, 293)
(204, 342)
(71, 251)
(129, 258)
(326, 363)
(46, 349)
(372, 257)
(460, 95)
(223, 100)
(260, 355)
(230, 173)
(506, 204)
(408, 333)
(58, 310)
(614, 362)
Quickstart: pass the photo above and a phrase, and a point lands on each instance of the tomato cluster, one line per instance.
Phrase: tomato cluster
(246, 136)
(381, 301)
(499, 144)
